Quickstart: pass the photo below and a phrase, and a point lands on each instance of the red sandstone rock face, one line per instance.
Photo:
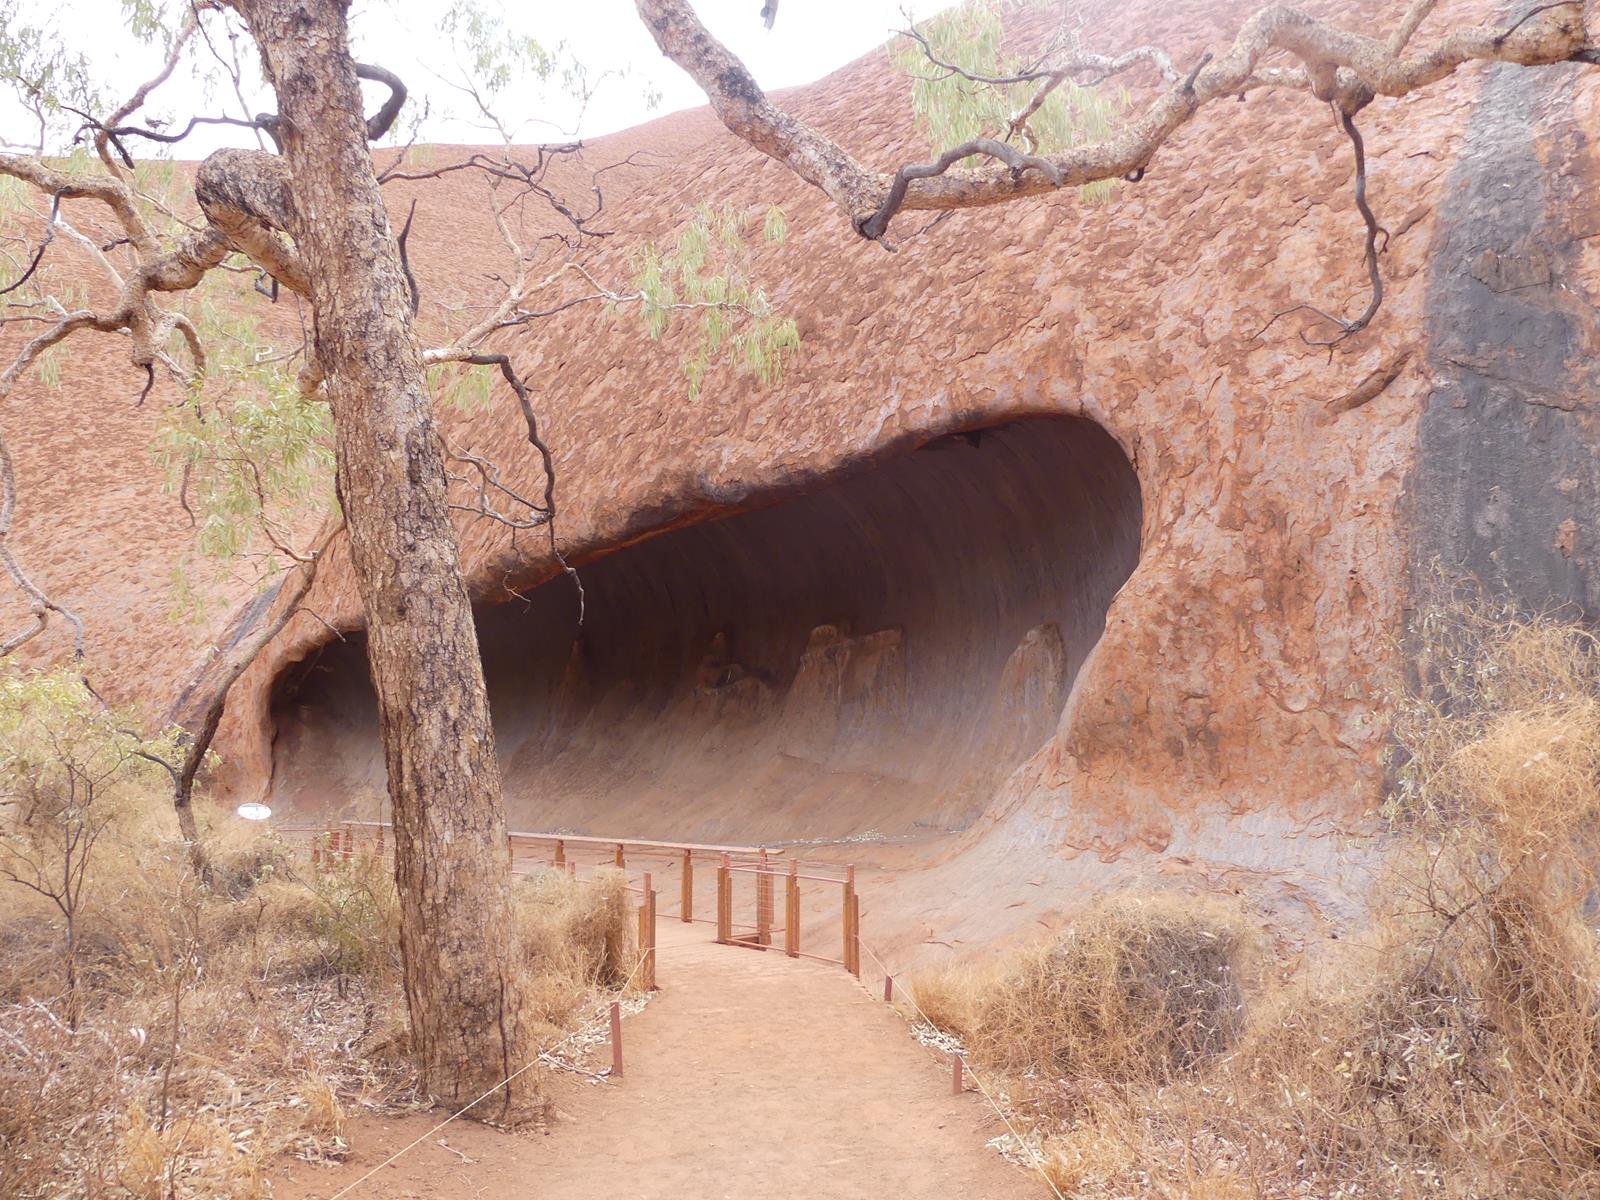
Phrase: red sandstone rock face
(1241, 661)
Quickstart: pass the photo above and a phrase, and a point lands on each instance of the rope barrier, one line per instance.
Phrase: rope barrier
(412, 1145)
(911, 999)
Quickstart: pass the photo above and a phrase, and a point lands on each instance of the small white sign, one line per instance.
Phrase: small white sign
(254, 812)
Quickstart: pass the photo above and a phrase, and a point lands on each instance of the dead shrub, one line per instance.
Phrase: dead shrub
(1451, 1050)
(221, 1026)
(352, 912)
(582, 928)
(1135, 987)
(1481, 1029)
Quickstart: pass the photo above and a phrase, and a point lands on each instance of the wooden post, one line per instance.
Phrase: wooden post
(619, 860)
(616, 1040)
(957, 1085)
(724, 902)
(855, 934)
(644, 932)
(855, 919)
(647, 936)
(686, 901)
(888, 989)
(791, 911)
(763, 901)
(561, 854)
(849, 901)
(650, 967)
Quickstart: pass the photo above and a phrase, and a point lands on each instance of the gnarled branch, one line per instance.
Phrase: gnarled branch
(1339, 66)
(380, 122)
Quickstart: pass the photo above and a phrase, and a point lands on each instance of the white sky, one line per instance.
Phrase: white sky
(811, 38)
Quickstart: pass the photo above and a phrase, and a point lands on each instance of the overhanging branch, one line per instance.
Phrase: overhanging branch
(1337, 66)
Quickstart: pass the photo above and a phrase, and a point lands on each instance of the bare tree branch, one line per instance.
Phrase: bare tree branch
(1340, 67)
(380, 122)
(44, 244)
(545, 513)
(199, 706)
(40, 604)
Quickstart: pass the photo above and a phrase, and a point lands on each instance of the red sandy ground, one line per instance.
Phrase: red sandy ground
(748, 1075)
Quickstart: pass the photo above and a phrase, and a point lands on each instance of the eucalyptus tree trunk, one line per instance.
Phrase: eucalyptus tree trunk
(452, 864)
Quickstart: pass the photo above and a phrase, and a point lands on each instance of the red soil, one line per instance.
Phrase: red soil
(748, 1075)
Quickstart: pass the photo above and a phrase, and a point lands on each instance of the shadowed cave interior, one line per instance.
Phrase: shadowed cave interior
(873, 657)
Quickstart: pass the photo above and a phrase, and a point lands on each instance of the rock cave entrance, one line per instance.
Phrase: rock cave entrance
(872, 657)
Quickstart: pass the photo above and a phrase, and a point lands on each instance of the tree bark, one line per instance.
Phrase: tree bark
(198, 708)
(452, 863)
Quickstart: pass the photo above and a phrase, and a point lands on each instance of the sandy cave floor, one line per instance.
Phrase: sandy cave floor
(748, 1075)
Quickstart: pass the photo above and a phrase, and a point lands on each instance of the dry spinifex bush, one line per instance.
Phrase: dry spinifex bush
(1137, 987)
(1452, 1050)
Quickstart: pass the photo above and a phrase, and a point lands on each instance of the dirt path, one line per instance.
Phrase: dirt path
(749, 1077)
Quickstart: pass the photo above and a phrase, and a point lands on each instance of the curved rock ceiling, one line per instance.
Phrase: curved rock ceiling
(874, 656)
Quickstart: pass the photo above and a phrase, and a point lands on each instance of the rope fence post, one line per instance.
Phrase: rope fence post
(561, 854)
(686, 895)
(888, 989)
(647, 936)
(957, 1084)
(616, 1039)
(791, 911)
(724, 902)
(852, 924)
(619, 860)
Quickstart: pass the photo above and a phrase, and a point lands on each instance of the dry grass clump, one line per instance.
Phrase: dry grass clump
(1453, 1050)
(1134, 988)
(219, 1026)
(574, 937)
(212, 1031)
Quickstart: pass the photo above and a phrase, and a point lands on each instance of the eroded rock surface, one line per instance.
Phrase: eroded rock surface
(875, 656)
(1243, 541)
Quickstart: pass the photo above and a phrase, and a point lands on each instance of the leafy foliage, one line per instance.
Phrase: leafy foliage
(708, 272)
(47, 78)
(247, 451)
(460, 388)
(497, 55)
(147, 20)
(54, 735)
(69, 767)
(950, 110)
